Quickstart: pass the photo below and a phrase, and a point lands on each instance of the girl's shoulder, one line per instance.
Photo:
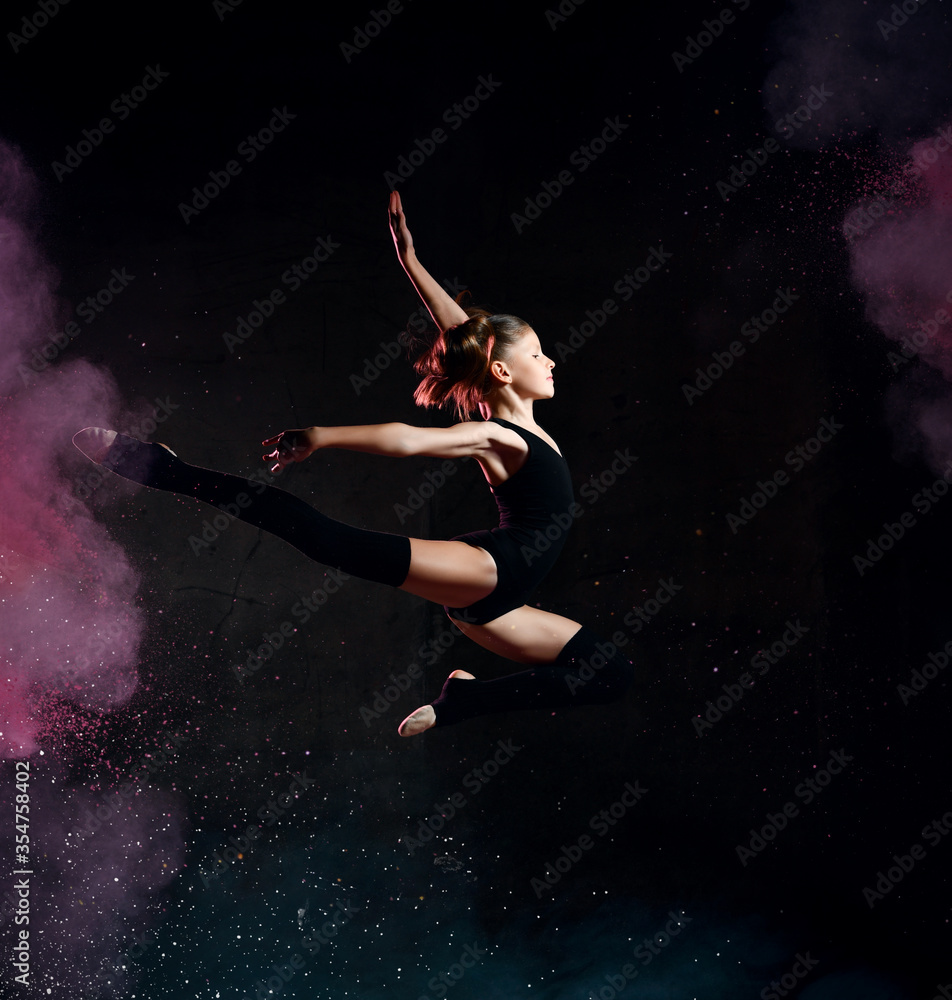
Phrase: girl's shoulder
(497, 436)
(535, 431)
(502, 451)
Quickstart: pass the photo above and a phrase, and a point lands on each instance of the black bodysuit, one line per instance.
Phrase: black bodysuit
(535, 507)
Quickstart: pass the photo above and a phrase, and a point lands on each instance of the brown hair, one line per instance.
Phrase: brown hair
(455, 368)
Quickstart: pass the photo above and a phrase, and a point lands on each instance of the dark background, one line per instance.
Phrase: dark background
(664, 519)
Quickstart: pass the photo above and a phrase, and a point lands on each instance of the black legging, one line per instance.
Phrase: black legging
(371, 555)
(587, 671)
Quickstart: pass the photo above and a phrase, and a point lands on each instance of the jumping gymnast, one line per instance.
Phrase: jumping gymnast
(490, 363)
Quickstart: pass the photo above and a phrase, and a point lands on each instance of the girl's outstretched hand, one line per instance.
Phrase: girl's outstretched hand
(291, 446)
(398, 226)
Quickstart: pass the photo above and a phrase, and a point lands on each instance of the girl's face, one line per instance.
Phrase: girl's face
(530, 370)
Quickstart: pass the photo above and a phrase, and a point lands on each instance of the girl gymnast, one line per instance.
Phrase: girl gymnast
(493, 364)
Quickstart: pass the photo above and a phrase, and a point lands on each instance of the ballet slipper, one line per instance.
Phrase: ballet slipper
(94, 443)
(143, 463)
(425, 717)
(418, 722)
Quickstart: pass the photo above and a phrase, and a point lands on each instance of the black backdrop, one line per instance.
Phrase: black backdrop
(587, 151)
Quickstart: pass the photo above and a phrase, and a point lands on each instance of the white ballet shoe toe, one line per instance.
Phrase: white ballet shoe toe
(418, 722)
(94, 442)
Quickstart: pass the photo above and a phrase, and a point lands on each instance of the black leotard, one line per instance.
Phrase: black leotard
(535, 511)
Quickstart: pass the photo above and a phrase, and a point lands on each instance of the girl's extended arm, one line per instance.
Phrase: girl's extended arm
(395, 439)
(444, 310)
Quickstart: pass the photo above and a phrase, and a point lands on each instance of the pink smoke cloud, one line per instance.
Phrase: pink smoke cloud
(902, 265)
(66, 589)
(69, 634)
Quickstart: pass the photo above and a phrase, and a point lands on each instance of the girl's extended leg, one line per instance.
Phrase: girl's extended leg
(452, 573)
(572, 666)
(439, 568)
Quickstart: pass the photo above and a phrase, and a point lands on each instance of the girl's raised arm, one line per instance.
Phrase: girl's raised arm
(444, 310)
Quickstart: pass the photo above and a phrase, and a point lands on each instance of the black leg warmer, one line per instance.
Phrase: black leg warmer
(371, 555)
(588, 671)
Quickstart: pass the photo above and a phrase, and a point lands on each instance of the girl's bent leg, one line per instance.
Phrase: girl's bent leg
(585, 670)
(525, 635)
